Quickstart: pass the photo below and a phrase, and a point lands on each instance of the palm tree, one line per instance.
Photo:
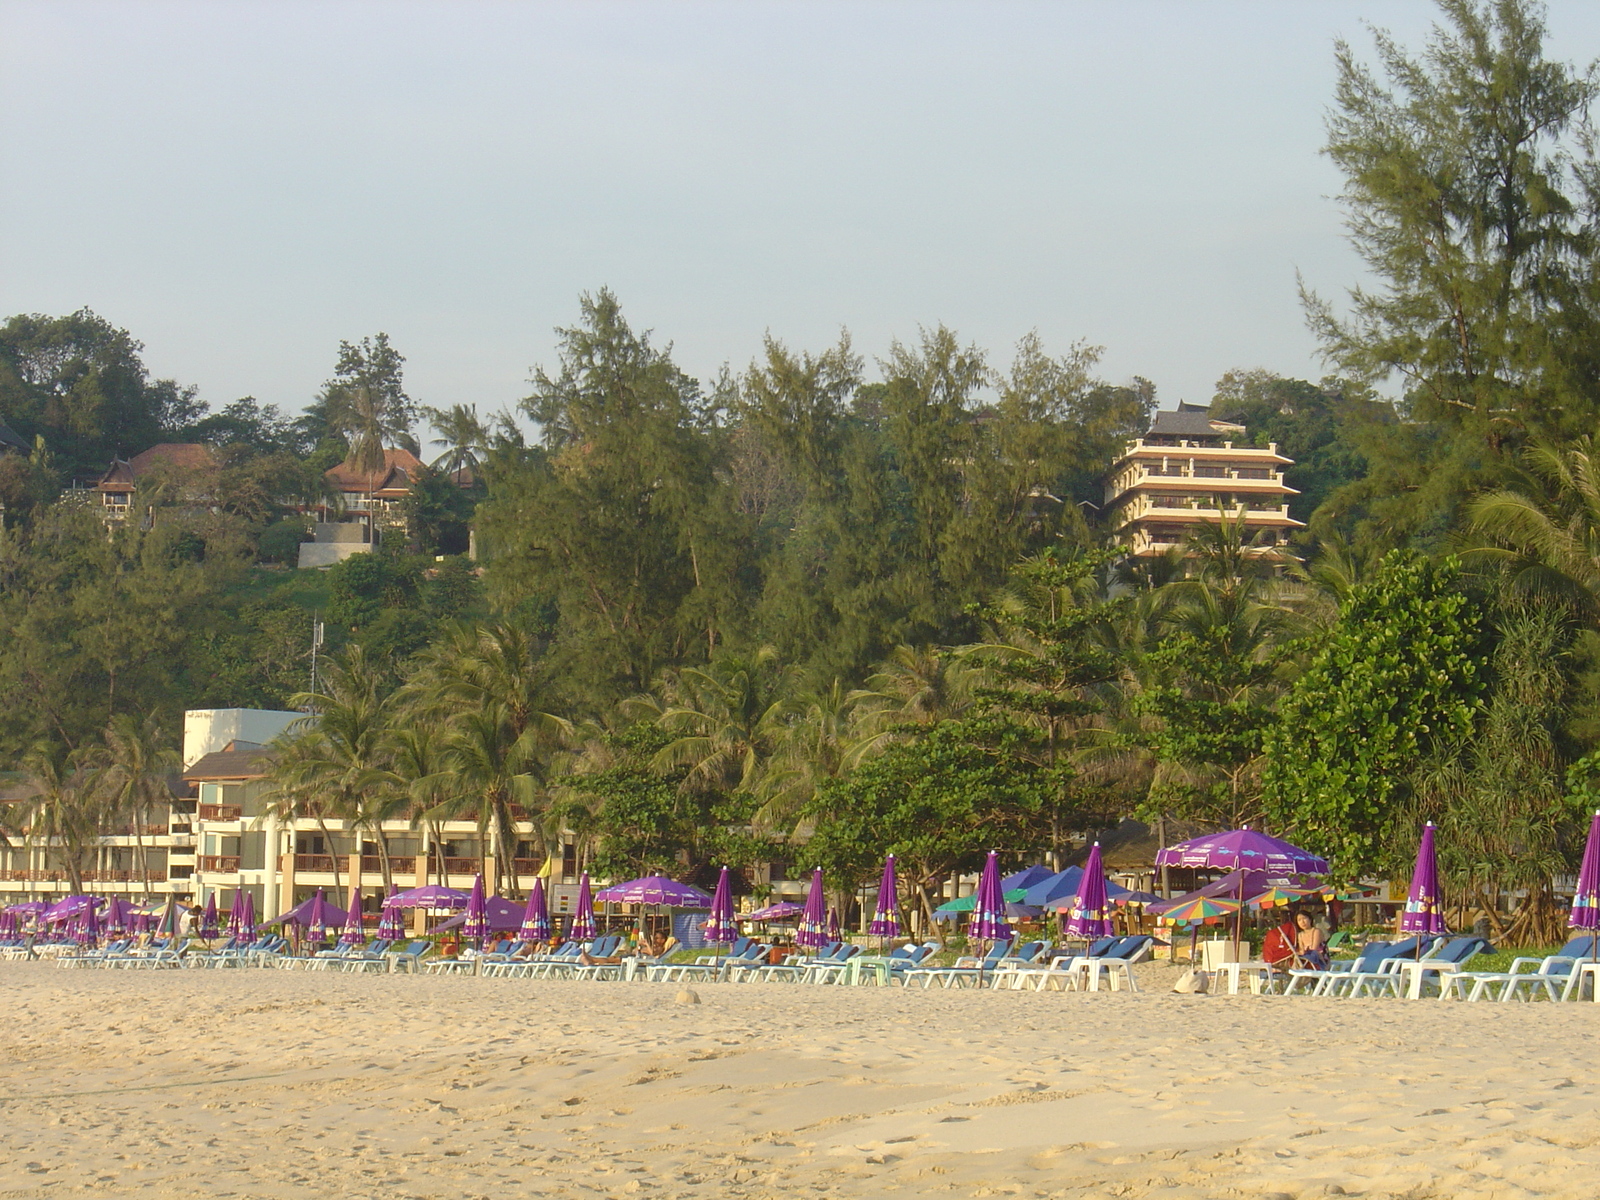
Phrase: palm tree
(462, 434)
(66, 811)
(817, 744)
(728, 718)
(419, 767)
(915, 685)
(488, 688)
(1551, 542)
(139, 763)
(338, 759)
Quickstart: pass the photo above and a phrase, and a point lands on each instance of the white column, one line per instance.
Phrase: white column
(273, 862)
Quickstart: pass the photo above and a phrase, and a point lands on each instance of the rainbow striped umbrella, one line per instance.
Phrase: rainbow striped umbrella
(1280, 894)
(583, 923)
(1199, 910)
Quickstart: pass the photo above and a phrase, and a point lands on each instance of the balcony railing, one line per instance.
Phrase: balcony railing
(323, 863)
(221, 864)
(399, 864)
(220, 812)
(138, 831)
(462, 866)
(527, 866)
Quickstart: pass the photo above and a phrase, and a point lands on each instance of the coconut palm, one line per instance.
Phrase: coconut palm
(464, 437)
(67, 809)
(727, 719)
(1548, 542)
(139, 763)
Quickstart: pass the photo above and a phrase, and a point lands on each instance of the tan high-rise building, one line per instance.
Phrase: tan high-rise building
(1186, 468)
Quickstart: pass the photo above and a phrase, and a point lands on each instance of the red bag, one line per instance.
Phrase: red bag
(1278, 945)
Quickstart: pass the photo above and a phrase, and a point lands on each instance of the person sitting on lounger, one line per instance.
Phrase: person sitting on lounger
(1309, 944)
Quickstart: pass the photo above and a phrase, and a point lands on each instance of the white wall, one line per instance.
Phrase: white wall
(207, 730)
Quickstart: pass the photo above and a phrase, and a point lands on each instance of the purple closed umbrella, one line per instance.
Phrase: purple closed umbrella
(536, 917)
(833, 924)
(118, 915)
(720, 926)
(989, 912)
(813, 932)
(1090, 914)
(89, 930)
(1424, 909)
(236, 913)
(353, 934)
(392, 924)
(1585, 912)
(583, 925)
(781, 911)
(210, 927)
(886, 912)
(247, 917)
(320, 916)
(477, 914)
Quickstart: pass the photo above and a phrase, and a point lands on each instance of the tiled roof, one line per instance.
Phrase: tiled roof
(1183, 424)
(182, 456)
(237, 760)
(400, 467)
(10, 437)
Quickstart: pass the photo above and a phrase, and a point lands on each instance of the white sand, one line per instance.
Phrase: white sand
(268, 1083)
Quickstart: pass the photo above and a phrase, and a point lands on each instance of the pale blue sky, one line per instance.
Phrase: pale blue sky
(243, 184)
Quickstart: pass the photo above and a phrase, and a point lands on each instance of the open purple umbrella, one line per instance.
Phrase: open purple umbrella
(392, 920)
(1424, 910)
(536, 917)
(1090, 915)
(813, 932)
(654, 889)
(720, 926)
(247, 918)
(583, 924)
(886, 912)
(780, 911)
(353, 934)
(1247, 848)
(989, 912)
(476, 925)
(432, 896)
(1585, 912)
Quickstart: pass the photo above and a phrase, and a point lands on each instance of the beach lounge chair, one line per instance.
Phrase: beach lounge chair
(968, 970)
(1315, 981)
(1554, 975)
(1383, 976)
(744, 953)
(1056, 974)
(538, 966)
(1447, 958)
(409, 959)
(1116, 963)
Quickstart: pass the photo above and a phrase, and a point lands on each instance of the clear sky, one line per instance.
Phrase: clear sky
(243, 184)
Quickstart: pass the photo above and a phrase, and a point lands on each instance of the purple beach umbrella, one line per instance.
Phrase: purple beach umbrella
(392, 922)
(1090, 914)
(886, 912)
(89, 930)
(583, 924)
(655, 889)
(247, 917)
(833, 924)
(209, 925)
(989, 911)
(353, 934)
(536, 917)
(1424, 909)
(476, 925)
(236, 914)
(720, 926)
(432, 896)
(813, 932)
(1585, 912)
(782, 910)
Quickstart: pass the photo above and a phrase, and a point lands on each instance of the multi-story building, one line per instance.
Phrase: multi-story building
(1189, 468)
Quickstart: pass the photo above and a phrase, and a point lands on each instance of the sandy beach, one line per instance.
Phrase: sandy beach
(266, 1083)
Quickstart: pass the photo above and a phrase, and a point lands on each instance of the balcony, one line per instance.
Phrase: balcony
(372, 864)
(219, 864)
(138, 831)
(315, 863)
(220, 812)
(462, 866)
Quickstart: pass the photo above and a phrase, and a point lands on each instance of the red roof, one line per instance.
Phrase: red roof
(400, 467)
(190, 458)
